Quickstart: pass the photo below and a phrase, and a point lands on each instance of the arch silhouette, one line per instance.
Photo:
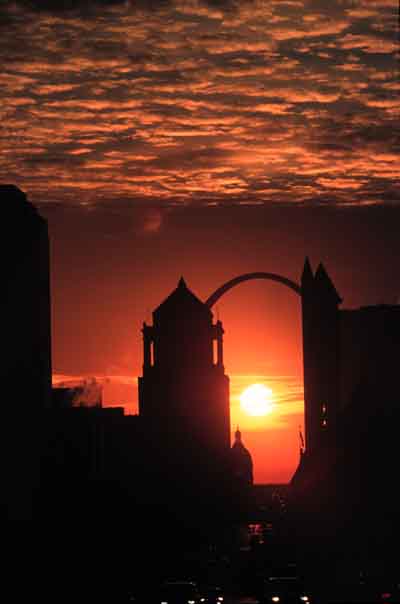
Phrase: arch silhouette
(211, 300)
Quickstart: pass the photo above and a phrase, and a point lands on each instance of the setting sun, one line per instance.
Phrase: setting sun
(256, 400)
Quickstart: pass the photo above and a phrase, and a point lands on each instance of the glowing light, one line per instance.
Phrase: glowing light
(257, 400)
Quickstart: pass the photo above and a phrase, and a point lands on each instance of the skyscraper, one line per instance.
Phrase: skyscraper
(25, 366)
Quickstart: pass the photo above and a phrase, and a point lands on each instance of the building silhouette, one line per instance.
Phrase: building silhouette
(320, 302)
(242, 463)
(242, 490)
(25, 364)
(184, 396)
(352, 413)
(173, 461)
(62, 458)
(348, 355)
(182, 377)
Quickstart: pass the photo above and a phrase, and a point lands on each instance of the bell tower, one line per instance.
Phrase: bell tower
(320, 310)
(184, 390)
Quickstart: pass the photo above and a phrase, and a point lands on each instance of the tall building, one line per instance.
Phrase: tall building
(25, 364)
(184, 392)
(320, 310)
(352, 410)
(348, 354)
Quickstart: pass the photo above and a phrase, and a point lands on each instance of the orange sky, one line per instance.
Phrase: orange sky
(206, 140)
(109, 272)
(262, 344)
(273, 439)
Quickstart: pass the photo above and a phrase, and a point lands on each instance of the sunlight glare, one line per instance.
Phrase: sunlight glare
(256, 400)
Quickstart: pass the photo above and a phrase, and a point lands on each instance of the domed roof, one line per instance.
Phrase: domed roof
(181, 302)
(238, 446)
(242, 463)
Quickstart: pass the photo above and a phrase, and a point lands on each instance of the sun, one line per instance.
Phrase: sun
(256, 400)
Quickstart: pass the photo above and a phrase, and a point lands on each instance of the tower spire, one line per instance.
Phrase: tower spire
(307, 277)
(325, 284)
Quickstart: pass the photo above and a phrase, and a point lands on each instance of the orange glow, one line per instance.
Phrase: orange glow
(256, 400)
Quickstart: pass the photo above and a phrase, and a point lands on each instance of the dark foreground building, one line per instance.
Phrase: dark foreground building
(184, 396)
(156, 485)
(345, 487)
(25, 363)
(168, 475)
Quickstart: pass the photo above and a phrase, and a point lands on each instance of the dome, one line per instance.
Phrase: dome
(242, 463)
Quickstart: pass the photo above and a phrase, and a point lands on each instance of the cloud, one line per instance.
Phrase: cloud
(247, 101)
(59, 6)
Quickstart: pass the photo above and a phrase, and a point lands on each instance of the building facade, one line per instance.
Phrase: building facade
(352, 410)
(25, 365)
(184, 392)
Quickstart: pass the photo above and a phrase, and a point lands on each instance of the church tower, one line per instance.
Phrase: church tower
(184, 392)
(320, 311)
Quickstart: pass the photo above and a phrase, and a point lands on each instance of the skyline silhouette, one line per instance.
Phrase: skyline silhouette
(200, 301)
(173, 465)
(342, 350)
(162, 139)
(281, 322)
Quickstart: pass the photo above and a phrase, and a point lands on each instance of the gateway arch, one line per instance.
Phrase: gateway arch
(211, 300)
(320, 325)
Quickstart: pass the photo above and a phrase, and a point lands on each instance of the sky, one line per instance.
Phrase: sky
(204, 139)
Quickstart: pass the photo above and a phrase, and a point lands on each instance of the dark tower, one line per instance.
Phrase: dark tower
(309, 370)
(351, 420)
(320, 312)
(25, 366)
(184, 392)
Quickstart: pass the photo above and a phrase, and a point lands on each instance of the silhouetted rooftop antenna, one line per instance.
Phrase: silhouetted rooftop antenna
(301, 442)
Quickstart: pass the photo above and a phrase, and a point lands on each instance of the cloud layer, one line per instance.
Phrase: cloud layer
(188, 101)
